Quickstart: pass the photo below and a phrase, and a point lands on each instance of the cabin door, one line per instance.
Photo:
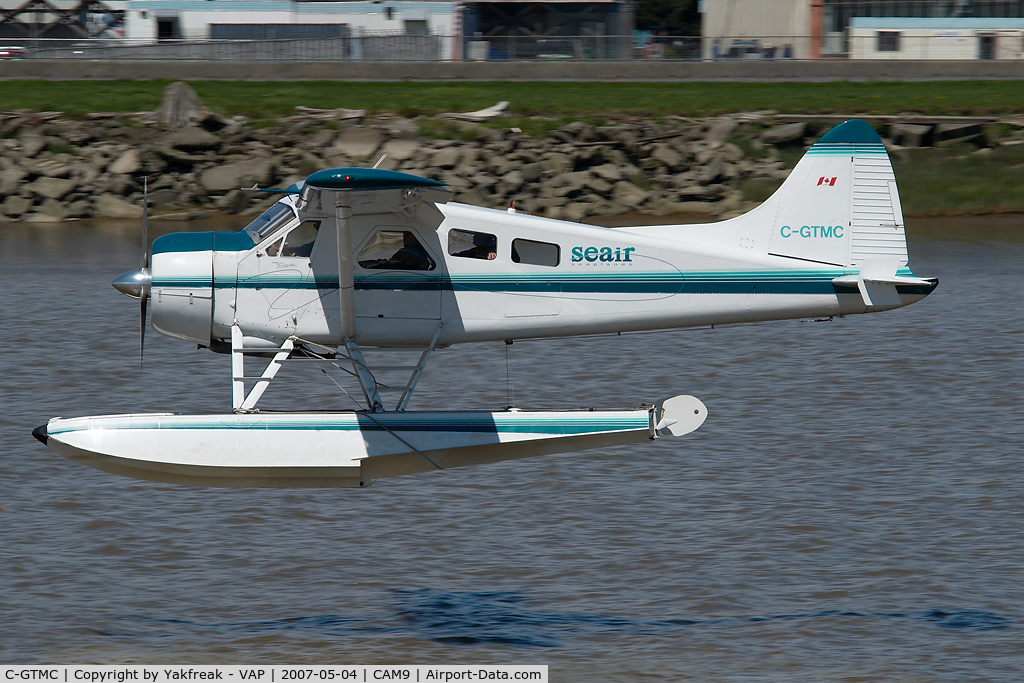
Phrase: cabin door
(397, 276)
(275, 285)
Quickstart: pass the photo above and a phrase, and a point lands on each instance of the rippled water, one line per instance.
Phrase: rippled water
(851, 510)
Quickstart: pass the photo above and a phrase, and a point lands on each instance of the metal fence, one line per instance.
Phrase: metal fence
(401, 47)
(371, 48)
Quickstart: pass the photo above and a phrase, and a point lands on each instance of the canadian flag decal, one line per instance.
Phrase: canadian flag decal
(827, 181)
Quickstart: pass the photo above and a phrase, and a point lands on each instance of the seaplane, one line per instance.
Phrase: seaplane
(354, 259)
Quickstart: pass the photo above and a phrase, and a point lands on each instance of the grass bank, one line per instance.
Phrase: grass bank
(274, 99)
(945, 181)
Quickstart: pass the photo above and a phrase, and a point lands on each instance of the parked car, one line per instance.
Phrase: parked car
(12, 52)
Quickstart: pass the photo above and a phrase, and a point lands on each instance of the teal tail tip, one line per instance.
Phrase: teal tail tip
(854, 131)
(40, 434)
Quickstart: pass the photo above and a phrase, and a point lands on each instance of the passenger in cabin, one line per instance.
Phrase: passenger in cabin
(484, 247)
(469, 244)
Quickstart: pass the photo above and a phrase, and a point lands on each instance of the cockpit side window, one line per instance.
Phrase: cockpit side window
(396, 250)
(270, 220)
(467, 244)
(299, 241)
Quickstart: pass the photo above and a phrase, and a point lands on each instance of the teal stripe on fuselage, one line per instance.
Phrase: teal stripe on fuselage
(640, 283)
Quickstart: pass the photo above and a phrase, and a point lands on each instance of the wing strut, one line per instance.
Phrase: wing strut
(346, 284)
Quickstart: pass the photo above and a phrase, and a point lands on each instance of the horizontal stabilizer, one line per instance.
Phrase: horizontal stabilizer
(877, 282)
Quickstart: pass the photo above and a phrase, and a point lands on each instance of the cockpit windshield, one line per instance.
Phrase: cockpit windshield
(270, 220)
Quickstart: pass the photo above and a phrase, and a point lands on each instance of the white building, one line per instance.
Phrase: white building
(946, 38)
(146, 20)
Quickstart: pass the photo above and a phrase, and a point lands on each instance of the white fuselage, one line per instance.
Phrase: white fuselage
(605, 280)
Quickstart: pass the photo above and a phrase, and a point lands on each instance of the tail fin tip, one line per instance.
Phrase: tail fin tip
(852, 131)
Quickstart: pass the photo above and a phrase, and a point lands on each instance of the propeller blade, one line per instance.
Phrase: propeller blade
(144, 295)
(143, 304)
(145, 221)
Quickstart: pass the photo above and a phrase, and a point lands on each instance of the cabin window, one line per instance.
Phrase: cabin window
(888, 41)
(270, 220)
(395, 250)
(299, 242)
(535, 253)
(467, 244)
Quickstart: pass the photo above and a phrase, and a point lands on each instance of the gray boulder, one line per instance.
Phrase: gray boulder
(786, 134)
(510, 182)
(628, 195)
(610, 172)
(400, 150)
(908, 134)
(39, 217)
(82, 208)
(664, 155)
(163, 196)
(447, 157)
(54, 209)
(357, 142)
(568, 183)
(53, 167)
(192, 139)
(233, 176)
(16, 205)
(557, 163)
(712, 171)
(11, 179)
(719, 131)
(598, 184)
(51, 188)
(32, 144)
(574, 212)
(180, 106)
(532, 172)
(402, 129)
(128, 162)
(322, 138)
(109, 206)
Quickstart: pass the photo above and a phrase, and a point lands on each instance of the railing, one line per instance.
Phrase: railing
(859, 44)
(371, 48)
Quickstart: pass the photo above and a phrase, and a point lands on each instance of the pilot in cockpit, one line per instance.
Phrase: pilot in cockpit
(412, 255)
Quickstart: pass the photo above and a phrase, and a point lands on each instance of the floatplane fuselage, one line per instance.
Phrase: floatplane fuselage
(357, 258)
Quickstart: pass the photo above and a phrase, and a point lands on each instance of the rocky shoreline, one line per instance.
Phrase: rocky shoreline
(54, 169)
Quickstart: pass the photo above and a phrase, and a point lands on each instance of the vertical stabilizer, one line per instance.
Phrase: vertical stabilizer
(840, 204)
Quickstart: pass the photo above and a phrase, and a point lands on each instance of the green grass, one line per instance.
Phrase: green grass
(275, 99)
(950, 181)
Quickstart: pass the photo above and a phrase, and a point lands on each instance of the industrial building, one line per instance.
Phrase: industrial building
(372, 30)
(860, 29)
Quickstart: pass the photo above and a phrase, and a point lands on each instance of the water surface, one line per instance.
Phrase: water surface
(851, 510)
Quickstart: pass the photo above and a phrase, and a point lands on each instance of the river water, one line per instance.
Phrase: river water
(851, 510)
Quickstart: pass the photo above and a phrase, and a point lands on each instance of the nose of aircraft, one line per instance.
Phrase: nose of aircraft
(134, 282)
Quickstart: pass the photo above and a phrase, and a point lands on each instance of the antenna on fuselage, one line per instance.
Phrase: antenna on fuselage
(380, 160)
